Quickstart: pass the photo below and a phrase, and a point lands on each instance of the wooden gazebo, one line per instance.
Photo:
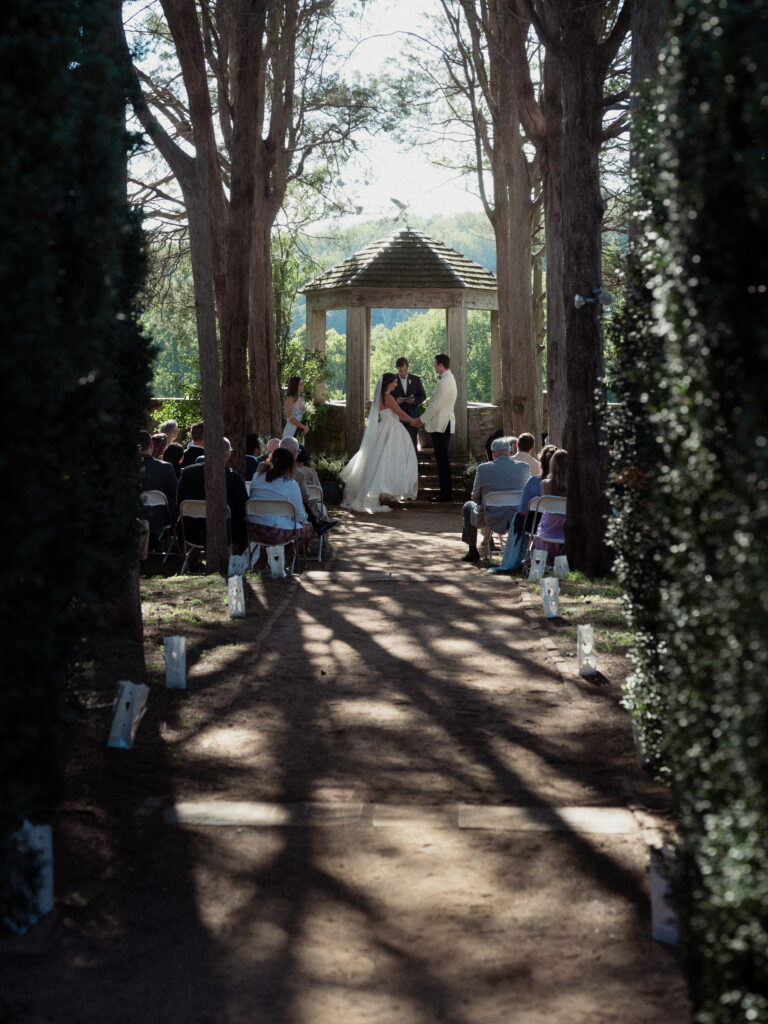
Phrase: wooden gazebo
(405, 270)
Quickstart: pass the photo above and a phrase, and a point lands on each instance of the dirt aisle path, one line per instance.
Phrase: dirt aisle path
(399, 813)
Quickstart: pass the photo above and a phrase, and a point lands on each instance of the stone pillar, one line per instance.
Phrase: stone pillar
(357, 387)
(316, 341)
(456, 341)
(496, 389)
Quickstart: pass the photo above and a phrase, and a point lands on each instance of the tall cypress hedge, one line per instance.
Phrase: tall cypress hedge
(74, 367)
(691, 486)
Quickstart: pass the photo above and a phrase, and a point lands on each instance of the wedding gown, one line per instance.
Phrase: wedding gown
(385, 464)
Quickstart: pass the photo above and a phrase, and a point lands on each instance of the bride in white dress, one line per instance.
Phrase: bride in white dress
(386, 463)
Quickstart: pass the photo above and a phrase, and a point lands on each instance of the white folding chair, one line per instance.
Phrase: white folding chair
(316, 495)
(194, 508)
(498, 499)
(269, 507)
(544, 503)
(157, 499)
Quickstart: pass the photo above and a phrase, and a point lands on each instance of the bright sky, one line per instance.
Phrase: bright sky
(406, 175)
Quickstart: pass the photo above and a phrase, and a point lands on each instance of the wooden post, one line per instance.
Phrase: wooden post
(496, 389)
(456, 342)
(316, 341)
(367, 386)
(356, 384)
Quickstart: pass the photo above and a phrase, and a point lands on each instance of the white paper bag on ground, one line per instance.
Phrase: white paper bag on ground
(538, 564)
(238, 565)
(586, 650)
(130, 705)
(175, 662)
(561, 567)
(236, 596)
(663, 916)
(34, 846)
(550, 595)
(276, 560)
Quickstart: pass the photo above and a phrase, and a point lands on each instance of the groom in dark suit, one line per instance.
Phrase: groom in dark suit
(409, 394)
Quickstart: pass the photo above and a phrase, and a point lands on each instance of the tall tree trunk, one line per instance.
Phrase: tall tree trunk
(552, 176)
(248, 19)
(583, 207)
(523, 403)
(261, 337)
(182, 20)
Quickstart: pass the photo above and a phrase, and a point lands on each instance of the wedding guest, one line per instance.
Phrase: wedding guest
(196, 446)
(252, 453)
(171, 430)
(272, 445)
(552, 524)
(159, 444)
(174, 453)
(525, 445)
(525, 522)
(503, 474)
(155, 475)
(320, 523)
(275, 480)
(192, 485)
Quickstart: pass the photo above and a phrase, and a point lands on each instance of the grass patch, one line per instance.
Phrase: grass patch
(596, 603)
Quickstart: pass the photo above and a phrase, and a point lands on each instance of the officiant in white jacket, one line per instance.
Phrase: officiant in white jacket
(440, 422)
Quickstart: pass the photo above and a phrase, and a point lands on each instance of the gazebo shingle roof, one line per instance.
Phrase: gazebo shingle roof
(404, 259)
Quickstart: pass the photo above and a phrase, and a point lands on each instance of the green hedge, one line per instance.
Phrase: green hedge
(691, 486)
(73, 365)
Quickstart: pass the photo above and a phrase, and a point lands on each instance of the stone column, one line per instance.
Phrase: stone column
(456, 340)
(357, 388)
(316, 329)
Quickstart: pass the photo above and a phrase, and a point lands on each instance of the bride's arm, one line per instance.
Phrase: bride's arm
(388, 402)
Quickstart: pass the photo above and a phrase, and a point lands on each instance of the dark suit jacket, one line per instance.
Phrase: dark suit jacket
(191, 453)
(158, 476)
(414, 392)
(251, 462)
(192, 485)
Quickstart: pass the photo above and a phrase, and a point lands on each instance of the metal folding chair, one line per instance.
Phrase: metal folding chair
(157, 499)
(496, 499)
(544, 503)
(269, 507)
(193, 508)
(316, 494)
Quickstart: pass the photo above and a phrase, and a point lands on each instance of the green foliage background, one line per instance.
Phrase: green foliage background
(74, 369)
(691, 485)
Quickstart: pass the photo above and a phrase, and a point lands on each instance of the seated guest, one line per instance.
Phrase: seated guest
(523, 523)
(195, 447)
(275, 480)
(490, 440)
(524, 451)
(155, 475)
(503, 474)
(552, 524)
(171, 430)
(320, 523)
(192, 486)
(159, 444)
(173, 454)
(272, 445)
(252, 453)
